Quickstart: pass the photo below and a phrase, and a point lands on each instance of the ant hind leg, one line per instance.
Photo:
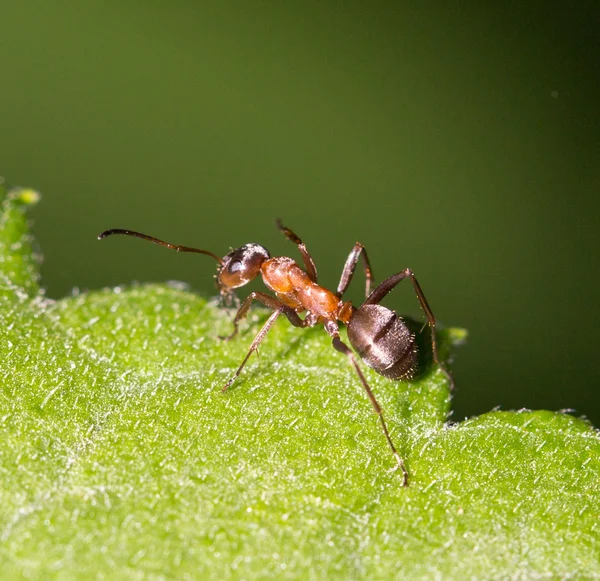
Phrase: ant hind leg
(340, 346)
(350, 266)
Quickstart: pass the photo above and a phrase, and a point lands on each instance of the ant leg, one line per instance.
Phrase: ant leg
(390, 283)
(270, 302)
(350, 266)
(340, 346)
(309, 263)
(254, 346)
(278, 308)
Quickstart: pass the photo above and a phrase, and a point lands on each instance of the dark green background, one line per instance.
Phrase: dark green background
(463, 142)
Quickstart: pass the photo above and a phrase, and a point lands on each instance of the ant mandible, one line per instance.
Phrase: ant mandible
(379, 336)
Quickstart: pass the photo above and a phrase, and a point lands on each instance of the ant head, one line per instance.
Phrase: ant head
(241, 266)
(383, 341)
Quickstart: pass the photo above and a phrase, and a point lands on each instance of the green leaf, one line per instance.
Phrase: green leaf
(18, 263)
(121, 458)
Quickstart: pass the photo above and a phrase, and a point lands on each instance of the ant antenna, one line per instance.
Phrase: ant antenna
(176, 247)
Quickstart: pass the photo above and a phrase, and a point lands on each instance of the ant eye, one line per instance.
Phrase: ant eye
(235, 266)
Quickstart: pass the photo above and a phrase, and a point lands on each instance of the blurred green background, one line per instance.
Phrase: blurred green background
(463, 142)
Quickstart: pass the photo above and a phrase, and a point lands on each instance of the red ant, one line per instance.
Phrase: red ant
(379, 336)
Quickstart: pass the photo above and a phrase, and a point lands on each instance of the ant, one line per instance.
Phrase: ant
(379, 336)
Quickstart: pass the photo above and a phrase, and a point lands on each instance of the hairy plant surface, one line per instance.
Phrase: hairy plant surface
(121, 458)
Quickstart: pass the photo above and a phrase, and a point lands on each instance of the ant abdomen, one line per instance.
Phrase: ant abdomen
(383, 341)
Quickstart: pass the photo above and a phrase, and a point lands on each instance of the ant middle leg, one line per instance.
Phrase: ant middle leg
(340, 346)
(388, 285)
(350, 266)
(309, 263)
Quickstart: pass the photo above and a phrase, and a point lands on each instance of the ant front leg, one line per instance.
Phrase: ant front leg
(309, 263)
(389, 284)
(257, 340)
(270, 302)
(340, 346)
(278, 308)
(350, 266)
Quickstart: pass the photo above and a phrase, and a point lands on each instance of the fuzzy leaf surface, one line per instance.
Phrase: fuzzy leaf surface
(121, 458)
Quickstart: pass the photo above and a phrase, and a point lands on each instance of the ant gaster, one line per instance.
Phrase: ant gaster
(378, 335)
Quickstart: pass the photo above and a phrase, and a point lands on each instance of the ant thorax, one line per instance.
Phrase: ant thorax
(293, 285)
